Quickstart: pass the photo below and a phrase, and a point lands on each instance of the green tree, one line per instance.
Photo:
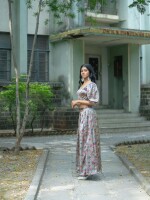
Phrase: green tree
(57, 8)
(140, 5)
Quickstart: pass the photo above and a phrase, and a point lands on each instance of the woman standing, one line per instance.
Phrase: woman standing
(88, 143)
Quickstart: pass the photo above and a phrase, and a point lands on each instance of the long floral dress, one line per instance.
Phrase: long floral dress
(88, 159)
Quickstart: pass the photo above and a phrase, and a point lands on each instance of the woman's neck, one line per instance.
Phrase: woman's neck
(87, 80)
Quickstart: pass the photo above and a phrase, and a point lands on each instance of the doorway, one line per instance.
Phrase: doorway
(118, 81)
(95, 61)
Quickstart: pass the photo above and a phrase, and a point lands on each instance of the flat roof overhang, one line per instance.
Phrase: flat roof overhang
(104, 36)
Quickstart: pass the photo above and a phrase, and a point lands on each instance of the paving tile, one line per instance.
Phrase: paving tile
(60, 179)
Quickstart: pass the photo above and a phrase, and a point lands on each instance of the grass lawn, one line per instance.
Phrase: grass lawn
(16, 173)
(139, 156)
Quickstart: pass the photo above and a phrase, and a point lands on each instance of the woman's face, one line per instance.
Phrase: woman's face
(84, 72)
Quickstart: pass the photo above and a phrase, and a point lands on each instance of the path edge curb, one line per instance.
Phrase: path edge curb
(138, 176)
(37, 178)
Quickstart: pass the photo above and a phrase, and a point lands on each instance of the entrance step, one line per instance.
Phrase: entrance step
(118, 121)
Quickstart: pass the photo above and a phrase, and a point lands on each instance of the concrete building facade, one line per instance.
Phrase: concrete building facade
(117, 46)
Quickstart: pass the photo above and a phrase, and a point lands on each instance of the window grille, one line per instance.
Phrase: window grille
(108, 7)
(40, 69)
(5, 57)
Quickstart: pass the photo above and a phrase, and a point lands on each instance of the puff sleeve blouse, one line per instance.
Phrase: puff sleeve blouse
(89, 93)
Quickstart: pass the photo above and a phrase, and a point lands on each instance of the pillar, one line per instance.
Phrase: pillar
(134, 77)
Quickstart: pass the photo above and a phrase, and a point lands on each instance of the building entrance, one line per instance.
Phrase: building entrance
(96, 64)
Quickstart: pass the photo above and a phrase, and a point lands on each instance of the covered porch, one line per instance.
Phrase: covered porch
(115, 55)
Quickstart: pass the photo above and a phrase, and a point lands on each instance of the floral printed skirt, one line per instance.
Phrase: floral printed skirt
(88, 159)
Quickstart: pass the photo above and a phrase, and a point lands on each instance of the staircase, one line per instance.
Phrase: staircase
(118, 121)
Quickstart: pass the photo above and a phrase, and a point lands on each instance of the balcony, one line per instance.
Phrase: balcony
(104, 13)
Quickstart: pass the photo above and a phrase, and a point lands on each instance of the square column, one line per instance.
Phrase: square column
(133, 77)
(68, 56)
(20, 34)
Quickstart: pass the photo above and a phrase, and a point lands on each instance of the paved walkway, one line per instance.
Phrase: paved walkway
(60, 182)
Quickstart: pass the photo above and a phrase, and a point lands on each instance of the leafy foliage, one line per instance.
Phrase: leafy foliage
(140, 5)
(40, 95)
(65, 8)
(58, 8)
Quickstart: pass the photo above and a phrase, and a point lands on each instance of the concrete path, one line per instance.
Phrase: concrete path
(59, 181)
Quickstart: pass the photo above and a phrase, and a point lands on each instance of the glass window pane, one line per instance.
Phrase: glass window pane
(5, 65)
(41, 58)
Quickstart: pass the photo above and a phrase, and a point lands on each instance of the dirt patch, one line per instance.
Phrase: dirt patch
(139, 156)
(16, 173)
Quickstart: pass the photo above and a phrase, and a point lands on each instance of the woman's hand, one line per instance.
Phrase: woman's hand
(74, 103)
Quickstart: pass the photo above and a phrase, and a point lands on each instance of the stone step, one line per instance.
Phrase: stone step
(122, 125)
(109, 111)
(124, 129)
(121, 120)
(117, 115)
(118, 121)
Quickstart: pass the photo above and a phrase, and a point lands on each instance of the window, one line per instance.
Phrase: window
(40, 70)
(5, 57)
(103, 7)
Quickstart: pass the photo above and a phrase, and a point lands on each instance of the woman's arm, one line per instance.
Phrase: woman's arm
(81, 103)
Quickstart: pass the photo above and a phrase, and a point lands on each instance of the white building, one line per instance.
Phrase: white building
(115, 46)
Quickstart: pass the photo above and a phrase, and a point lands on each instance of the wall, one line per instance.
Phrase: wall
(145, 101)
(62, 65)
(19, 14)
(63, 121)
(43, 29)
(78, 60)
(145, 67)
(67, 58)
(62, 57)
(145, 49)
(4, 16)
(68, 22)
(130, 17)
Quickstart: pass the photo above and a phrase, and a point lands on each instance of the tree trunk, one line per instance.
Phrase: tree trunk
(22, 130)
(32, 129)
(17, 145)
(42, 125)
(16, 70)
(12, 118)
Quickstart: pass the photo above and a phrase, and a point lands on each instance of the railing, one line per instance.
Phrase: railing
(109, 7)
